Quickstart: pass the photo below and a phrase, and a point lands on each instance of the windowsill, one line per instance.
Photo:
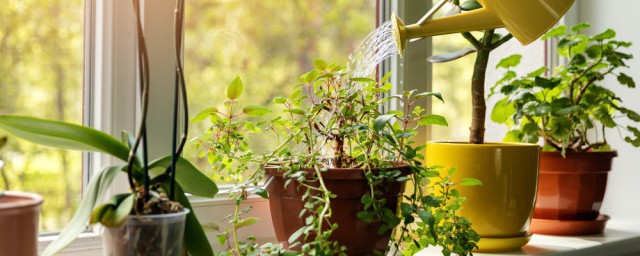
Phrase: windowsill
(620, 238)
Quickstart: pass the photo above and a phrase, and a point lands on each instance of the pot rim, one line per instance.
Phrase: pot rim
(342, 173)
(32, 199)
(484, 145)
(184, 211)
(571, 154)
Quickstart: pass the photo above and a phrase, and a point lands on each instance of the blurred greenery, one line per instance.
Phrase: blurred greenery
(268, 43)
(41, 55)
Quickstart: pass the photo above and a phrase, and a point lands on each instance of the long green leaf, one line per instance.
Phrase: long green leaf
(63, 135)
(188, 176)
(94, 192)
(195, 239)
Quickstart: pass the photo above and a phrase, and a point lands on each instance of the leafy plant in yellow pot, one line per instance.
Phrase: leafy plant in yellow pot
(501, 209)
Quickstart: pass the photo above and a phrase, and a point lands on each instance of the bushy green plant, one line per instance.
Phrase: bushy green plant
(568, 107)
(332, 120)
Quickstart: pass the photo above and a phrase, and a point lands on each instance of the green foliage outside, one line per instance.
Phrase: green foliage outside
(568, 107)
(41, 48)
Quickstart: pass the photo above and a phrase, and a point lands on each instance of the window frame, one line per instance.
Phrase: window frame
(110, 72)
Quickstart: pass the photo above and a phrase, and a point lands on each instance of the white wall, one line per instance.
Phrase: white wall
(622, 199)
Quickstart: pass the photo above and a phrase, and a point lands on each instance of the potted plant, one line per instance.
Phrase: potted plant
(501, 209)
(153, 217)
(337, 170)
(570, 109)
(19, 218)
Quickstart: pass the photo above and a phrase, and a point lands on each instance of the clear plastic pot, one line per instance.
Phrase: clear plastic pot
(150, 235)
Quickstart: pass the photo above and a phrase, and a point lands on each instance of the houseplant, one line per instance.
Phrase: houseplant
(501, 209)
(570, 109)
(157, 187)
(19, 218)
(335, 175)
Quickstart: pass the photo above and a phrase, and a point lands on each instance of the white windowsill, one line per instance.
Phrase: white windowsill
(620, 238)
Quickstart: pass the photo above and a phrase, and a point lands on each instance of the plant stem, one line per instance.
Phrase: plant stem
(235, 230)
(479, 106)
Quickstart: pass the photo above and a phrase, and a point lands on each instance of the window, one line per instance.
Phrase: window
(268, 43)
(41, 74)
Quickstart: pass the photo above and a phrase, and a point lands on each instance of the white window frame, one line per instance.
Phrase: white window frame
(110, 94)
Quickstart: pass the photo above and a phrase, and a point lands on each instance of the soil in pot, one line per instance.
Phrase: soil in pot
(19, 220)
(572, 188)
(152, 235)
(349, 185)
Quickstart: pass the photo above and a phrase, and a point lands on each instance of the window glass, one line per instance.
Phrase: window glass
(41, 57)
(268, 43)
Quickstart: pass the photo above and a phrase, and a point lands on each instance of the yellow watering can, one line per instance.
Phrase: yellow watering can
(526, 20)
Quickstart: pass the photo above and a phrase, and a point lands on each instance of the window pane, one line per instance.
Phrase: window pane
(268, 43)
(453, 80)
(41, 56)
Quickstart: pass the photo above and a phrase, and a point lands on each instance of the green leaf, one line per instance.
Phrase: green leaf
(195, 239)
(626, 80)
(261, 192)
(204, 114)
(602, 114)
(221, 239)
(116, 212)
(546, 83)
(362, 80)
(296, 111)
(607, 34)
(560, 127)
(578, 60)
(636, 133)
(502, 111)
(563, 107)
(434, 94)
(297, 234)
(510, 61)
(381, 121)
(246, 222)
(63, 135)
(256, 111)
(319, 64)
(513, 136)
(534, 108)
(630, 114)
(430, 119)
(470, 5)
(555, 32)
(94, 192)
(581, 26)
(446, 57)
(188, 176)
(470, 182)
(234, 90)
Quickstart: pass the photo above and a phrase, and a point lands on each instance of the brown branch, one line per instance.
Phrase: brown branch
(476, 44)
(501, 41)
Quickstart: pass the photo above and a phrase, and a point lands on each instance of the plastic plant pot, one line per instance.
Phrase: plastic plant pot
(156, 234)
(19, 218)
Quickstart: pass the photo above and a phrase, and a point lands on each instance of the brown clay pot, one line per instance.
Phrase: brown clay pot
(572, 188)
(349, 185)
(19, 219)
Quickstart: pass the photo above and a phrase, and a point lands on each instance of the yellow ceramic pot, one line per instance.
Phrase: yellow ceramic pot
(501, 208)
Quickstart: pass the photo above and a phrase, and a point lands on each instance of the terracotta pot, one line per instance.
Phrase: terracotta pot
(572, 188)
(500, 210)
(19, 219)
(349, 185)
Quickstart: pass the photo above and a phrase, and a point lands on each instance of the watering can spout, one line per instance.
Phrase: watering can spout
(526, 20)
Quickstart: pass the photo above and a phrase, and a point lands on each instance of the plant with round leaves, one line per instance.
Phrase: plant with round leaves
(569, 107)
(333, 120)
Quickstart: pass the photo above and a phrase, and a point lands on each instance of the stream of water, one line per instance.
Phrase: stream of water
(374, 48)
